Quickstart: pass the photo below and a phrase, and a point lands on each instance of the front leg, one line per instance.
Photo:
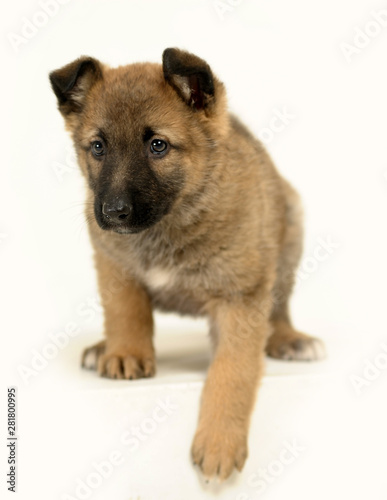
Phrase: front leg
(128, 349)
(242, 327)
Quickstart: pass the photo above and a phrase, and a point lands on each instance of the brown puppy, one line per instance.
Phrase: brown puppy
(187, 211)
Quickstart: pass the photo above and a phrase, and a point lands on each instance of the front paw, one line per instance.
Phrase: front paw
(218, 450)
(125, 366)
(118, 365)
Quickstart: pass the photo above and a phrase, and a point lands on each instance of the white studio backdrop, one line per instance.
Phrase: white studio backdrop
(308, 78)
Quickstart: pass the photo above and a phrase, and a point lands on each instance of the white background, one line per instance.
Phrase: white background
(272, 55)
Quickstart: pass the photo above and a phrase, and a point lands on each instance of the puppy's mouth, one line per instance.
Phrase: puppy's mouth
(126, 230)
(123, 227)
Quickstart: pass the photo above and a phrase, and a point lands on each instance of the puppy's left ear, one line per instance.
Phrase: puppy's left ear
(72, 83)
(190, 76)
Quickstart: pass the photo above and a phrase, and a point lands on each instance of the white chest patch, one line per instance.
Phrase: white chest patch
(158, 277)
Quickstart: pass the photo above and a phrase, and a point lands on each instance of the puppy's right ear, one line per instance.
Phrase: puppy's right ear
(72, 83)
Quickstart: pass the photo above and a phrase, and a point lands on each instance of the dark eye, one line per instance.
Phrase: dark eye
(97, 148)
(158, 146)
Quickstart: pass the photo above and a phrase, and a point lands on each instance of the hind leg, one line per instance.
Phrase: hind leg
(285, 342)
(290, 344)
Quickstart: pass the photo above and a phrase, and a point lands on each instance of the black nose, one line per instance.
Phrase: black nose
(118, 210)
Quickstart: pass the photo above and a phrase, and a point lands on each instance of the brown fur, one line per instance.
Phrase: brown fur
(226, 245)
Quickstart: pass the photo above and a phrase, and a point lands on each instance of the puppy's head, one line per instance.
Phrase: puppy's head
(143, 133)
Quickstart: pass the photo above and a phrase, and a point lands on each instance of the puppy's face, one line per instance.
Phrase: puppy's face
(142, 133)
